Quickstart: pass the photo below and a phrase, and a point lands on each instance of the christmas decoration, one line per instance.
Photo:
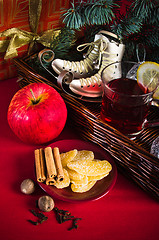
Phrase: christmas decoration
(112, 51)
(24, 15)
(16, 38)
(134, 22)
(138, 24)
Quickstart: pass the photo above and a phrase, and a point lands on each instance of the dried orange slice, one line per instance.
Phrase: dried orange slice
(84, 155)
(74, 175)
(99, 177)
(83, 181)
(68, 157)
(82, 188)
(81, 170)
(90, 168)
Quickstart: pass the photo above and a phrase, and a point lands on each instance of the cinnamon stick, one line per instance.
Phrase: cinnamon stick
(40, 165)
(50, 181)
(59, 168)
(50, 165)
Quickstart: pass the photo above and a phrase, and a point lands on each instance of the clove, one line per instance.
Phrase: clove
(41, 217)
(63, 216)
(33, 222)
(74, 223)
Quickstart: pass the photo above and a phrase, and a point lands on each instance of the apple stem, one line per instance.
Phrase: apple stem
(34, 101)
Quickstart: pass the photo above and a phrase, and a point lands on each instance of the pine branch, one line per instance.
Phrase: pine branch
(150, 36)
(136, 17)
(63, 42)
(154, 16)
(126, 26)
(139, 7)
(72, 18)
(99, 12)
(139, 25)
(95, 12)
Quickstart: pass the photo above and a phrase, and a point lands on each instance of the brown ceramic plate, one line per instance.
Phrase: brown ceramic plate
(100, 189)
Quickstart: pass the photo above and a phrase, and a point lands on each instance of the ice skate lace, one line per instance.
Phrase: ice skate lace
(93, 53)
(96, 79)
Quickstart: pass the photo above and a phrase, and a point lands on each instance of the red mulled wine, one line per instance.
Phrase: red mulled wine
(125, 105)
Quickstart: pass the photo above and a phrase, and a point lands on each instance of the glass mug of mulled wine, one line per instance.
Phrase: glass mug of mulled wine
(125, 103)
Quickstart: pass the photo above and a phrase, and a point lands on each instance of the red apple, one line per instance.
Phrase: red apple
(37, 113)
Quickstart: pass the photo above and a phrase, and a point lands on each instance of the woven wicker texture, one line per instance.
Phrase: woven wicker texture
(133, 158)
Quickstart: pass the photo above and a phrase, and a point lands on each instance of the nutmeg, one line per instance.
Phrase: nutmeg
(46, 203)
(27, 186)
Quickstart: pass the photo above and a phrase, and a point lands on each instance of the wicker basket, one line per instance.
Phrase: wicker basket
(133, 158)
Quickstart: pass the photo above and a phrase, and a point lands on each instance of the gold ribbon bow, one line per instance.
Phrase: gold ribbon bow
(15, 38)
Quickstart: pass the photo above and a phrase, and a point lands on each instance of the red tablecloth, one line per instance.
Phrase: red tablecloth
(125, 213)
